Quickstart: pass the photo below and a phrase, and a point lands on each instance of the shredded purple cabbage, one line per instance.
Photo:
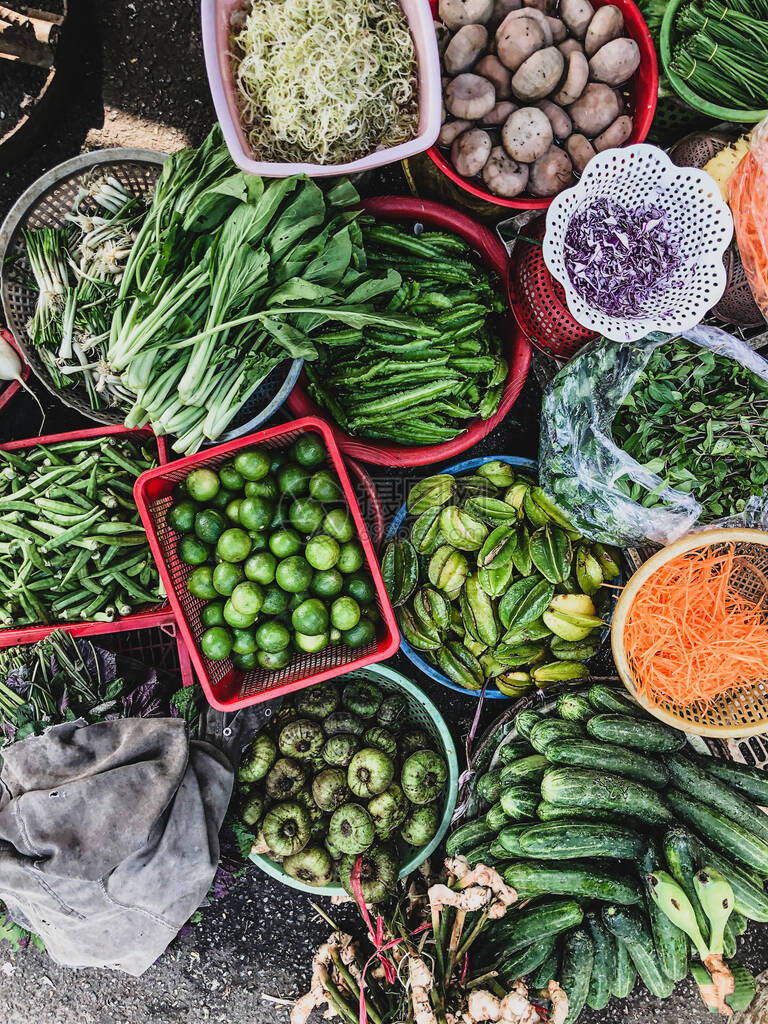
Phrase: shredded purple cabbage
(620, 259)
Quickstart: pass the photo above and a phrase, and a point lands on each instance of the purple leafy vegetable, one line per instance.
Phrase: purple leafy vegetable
(619, 260)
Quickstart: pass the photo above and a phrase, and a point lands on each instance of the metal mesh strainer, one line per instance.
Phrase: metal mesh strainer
(45, 204)
(734, 714)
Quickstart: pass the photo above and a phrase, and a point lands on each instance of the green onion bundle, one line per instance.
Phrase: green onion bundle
(723, 52)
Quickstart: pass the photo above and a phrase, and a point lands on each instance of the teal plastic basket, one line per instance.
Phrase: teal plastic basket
(423, 713)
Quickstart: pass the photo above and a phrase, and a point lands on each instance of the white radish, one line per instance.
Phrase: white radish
(10, 369)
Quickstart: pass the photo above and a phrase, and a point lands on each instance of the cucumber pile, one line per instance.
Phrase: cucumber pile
(580, 803)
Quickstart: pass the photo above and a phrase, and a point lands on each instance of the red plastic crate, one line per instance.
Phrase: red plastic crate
(10, 389)
(224, 686)
(158, 615)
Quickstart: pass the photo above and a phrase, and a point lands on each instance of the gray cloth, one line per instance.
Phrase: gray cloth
(109, 837)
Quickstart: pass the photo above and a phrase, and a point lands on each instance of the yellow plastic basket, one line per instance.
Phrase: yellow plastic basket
(736, 713)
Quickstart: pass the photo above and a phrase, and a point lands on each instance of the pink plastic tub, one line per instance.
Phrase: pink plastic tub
(215, 20)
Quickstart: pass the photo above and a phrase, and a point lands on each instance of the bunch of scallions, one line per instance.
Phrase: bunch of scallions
(227, 276)
(722, 53)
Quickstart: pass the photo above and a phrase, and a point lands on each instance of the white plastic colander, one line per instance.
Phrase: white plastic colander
(696, 214)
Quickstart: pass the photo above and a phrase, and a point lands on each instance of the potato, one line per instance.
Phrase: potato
(615, 62)
(558, 29)
(545, 6)
(580, 150)
(575, 79)
(465, 49)
(538, 76)
(470, 97)
(527, 134)
(450, 130)
(499, 114)
(597, 107)
(456, 13)
(570, 46)
(577, 15)
(470, 151)
(551, 173)
(615, 134)
(561, 123)
(490, 67)
(501, 9)
(504, 176)
(607, 24)
(517, 39)
(540, 19)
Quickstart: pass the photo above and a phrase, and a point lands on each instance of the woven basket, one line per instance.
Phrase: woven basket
(423, 713)
(730, 715)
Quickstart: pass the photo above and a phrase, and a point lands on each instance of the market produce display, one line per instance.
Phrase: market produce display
(326, 81)
(382, 382)
(343, 774)
(600, 816)
(72, 547)
(492, 582)
(275, 557)
(533, 94)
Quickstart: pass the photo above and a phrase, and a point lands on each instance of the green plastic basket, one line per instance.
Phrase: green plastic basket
(421, 712)
(683, 90)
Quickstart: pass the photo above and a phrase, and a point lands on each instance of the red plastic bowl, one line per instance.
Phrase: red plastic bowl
(10, 389)
(643, 92)
(518, 349)
(225, 688)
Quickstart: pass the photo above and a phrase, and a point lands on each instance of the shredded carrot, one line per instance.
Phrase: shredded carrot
(691, 635)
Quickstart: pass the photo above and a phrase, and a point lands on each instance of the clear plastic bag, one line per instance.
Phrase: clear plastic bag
(748, 199)
(580, 464)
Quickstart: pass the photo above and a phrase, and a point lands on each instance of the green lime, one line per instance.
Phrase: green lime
(310, 644)
(311, 617)
(180, 492)
(293, 479)
(244, 641)
(252, 464)
(351, 557)
(322, 552)
(245, 662)
(226, 577)
(266, 488)
(327, 583)
(261, 567)
(232, 510)
(298, 598)
(202, 484)
(212, 614)
(293, 574)
(280, 516)
(285, 542)
(236, 619)
(209, 525)
(275, 600)
(181, 517)
(340, 525)
(306, 514)
(259, 540)
(360, 635)
(216, 643)
(335, 635)
(223, 498)
(200, 583)
(234, 545)
(345, 613)
(256, 513)
(324, 486)
(308, 450)
(273, 660)
(230, 478)
(360, 586)
(371, 612)
(192, 551)
(272, 636)
(247, 598)
(278, 459)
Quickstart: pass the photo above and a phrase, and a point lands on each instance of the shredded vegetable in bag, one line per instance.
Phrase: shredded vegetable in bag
(748, 198)
(590, 414)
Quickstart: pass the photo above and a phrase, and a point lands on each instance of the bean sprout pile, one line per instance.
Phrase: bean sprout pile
(324, 81)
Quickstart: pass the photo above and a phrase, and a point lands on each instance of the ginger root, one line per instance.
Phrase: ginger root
(513, 1008)
(479, 887)
(322, 968)
(420, 978)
